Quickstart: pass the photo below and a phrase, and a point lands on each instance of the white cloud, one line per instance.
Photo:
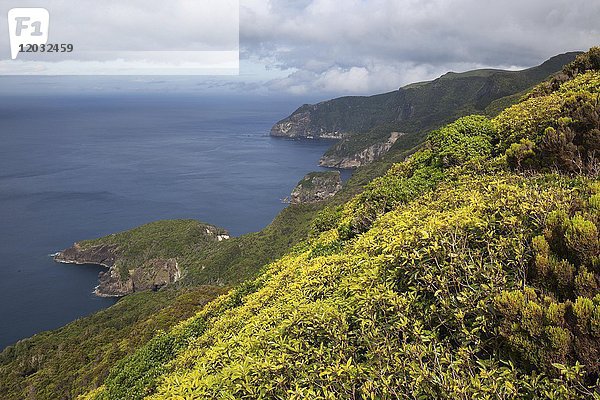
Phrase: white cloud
(359, 46)
(330, 47)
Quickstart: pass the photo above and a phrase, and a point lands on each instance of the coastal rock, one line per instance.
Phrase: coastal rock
(104, 255)
(152, 275)
(372, 153)
(300, 125)
(144, 258)
(317, 186)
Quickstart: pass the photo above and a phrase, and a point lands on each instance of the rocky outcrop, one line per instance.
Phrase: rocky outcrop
(301, 125)
(144, 258)
(104, 255)
(372, 153)
(152, 275)
(316, 186)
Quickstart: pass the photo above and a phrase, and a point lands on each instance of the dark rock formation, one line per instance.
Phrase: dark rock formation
(104, 255)
(336, 159)
(152, 275)
(317, 186)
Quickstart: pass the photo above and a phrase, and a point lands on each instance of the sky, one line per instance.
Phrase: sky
(326, 48)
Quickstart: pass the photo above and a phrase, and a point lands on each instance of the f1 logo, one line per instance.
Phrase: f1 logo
(27, 26)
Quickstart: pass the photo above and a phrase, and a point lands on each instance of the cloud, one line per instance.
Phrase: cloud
(136, 37)
(325, 48)
(361, 46)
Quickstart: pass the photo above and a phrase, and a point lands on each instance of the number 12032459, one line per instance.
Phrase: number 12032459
(46, 48)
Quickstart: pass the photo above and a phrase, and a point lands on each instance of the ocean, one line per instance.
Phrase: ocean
(77, 167)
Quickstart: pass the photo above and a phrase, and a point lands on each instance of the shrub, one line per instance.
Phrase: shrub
(466, 139)
(581, 238)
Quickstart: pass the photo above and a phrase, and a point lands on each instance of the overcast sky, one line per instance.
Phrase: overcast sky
(336, 47)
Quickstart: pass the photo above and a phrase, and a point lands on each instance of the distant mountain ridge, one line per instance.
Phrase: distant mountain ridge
(414, 109)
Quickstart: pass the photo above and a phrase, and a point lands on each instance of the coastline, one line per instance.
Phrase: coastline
(97, 292)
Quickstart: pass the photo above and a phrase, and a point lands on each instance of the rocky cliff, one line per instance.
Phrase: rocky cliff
(317, 186)
(336, 158)
(142, 259)
(303, 124)
(152, 275)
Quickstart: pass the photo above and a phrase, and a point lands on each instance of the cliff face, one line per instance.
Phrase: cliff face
(104, 255)
(152, 275)
(144, 258)
(301, 125)
(336, 158)
(317, 186)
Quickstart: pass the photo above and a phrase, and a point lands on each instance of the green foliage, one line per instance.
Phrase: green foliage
(466, 139)
(325, 220)
(521, 155)
(386, 193)
(308, 181)
(78, 357)
(581, 238)
(558, 125)
(555, 319)
(405, 310)
(526, 120)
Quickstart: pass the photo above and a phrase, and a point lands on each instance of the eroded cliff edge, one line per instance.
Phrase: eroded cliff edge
(316, 187)
(338, 157)
(144, 258)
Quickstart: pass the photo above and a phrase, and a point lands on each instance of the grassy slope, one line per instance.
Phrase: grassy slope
(484, 287)
(371, 317)
(63, 363)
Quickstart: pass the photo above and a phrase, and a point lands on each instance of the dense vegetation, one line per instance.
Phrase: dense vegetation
(67, 362)
(458, 274)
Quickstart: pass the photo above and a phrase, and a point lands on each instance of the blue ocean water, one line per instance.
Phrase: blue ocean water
(83, 166)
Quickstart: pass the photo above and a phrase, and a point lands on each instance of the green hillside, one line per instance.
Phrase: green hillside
(470, 270)
(424, 106)
(415, 109)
